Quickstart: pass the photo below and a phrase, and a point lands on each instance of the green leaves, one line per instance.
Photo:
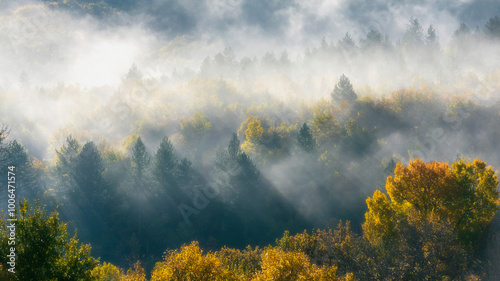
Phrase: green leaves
(44, 249)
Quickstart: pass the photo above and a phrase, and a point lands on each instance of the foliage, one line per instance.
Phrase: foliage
(106, 272)
(343, 91)
(244, 263)
(140, 161)
(279, 265)
(190, 264)
(492, 28)
(306, 140)
(44, 250)
(433, 216)
(165, 165)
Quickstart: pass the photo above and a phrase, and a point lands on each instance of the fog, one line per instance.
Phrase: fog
(112, 72)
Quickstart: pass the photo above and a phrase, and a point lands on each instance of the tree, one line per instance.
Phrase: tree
(431, 37)
(107, 272)
(44, 250)
(233, 147)
(306, 140)
(254, 133)
(4, 132)
(27, 174)
(140, 162)
(373, 39)
(414, 36)
(89, 174)
(343, 91)
(434, 216)
(234, 173)
(326, 128)
(194, 130)
(463, 30)
(492, 28)
(165, 167)
(134, 73)
(190, 264)
(186, 174)
(347, 43)
(279, 265)
(66, 156)
(465, 197)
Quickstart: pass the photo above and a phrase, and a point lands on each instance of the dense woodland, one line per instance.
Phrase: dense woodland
(269, 168)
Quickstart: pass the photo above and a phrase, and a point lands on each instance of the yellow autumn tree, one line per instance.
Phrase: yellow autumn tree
(465, 196)
(433, 216)
(190, 264)
(107, 272)
(279, 265)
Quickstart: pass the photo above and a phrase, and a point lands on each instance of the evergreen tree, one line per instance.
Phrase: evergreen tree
(165, 166)
(186, 173)
(233, 147)
(462, 32)
(347, 43)
(343, 91)
(89, 175)
(492, 28)
(305, 139)
(140, 161)
(66, 157)
(431, 37)
(414, 36)
(373, 39)
(27, 177)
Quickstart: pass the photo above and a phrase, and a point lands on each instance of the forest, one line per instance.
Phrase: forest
(149, 142)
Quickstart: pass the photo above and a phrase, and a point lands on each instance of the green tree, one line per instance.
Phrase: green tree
(492, 28)
(414, 36)
(89, 175)
(233, 147)
(343, 91)
(27, 175)
(306, 140)
(194, 130)
(347, 43)
(326, 128)
(431, 38)
(44, 250)
(462, 32)
(186, 174)
(165, 166)
(65, 164)
(140, 162)
(373, 39)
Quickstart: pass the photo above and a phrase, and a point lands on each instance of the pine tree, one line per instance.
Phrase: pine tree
(89, 174)
(233, 147)
(492, 28)
(305, 139)
(414, 35)
(165, 165)
(343, 91)
(140, 161)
